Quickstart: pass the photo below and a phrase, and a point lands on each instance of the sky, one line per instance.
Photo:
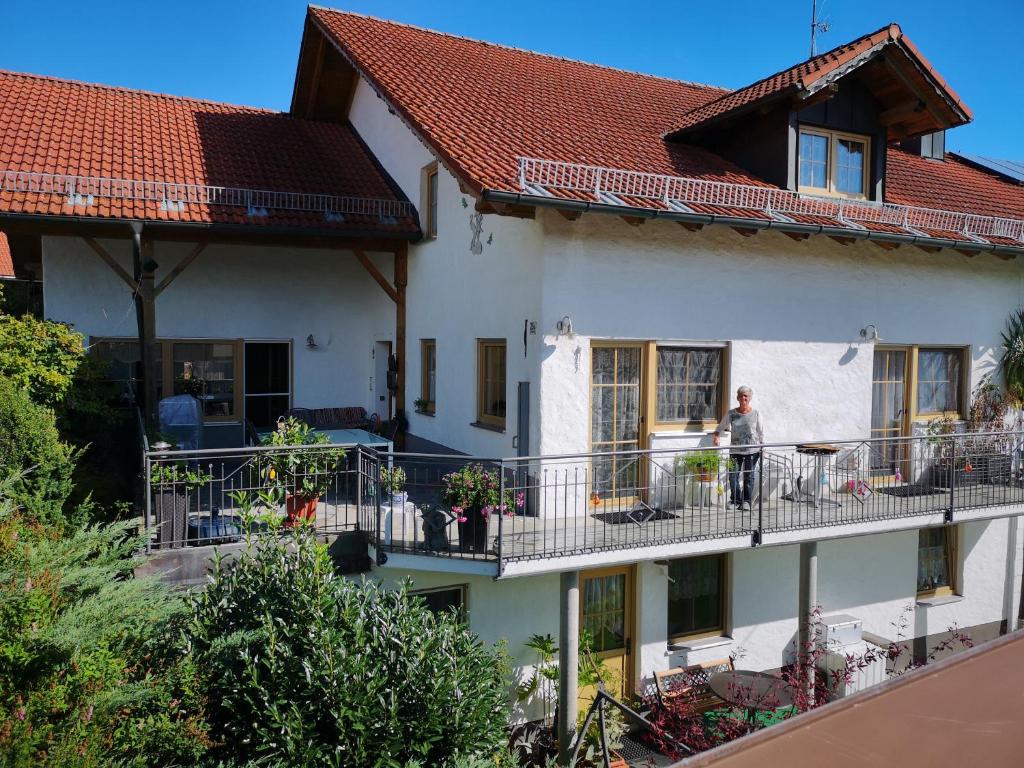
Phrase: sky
(245, 52)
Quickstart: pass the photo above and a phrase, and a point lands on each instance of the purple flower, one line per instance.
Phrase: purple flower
(520, 499)
(462, 519)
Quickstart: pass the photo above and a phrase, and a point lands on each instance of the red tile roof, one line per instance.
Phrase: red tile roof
(6, 262)
(60, 126)
(482, 105)
(805, 74)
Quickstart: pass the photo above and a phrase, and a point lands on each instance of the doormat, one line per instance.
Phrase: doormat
(637, 516)
(909, 490)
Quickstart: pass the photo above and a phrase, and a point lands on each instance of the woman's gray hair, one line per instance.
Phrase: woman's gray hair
(744, 390)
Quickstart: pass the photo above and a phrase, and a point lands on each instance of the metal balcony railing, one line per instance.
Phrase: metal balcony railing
(559, 506)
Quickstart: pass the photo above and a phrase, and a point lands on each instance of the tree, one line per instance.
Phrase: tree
(309, 668)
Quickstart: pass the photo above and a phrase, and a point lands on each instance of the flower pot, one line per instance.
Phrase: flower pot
(300, 508)
(170, 515)
(473, 532)
(944, 475)
(998, 469)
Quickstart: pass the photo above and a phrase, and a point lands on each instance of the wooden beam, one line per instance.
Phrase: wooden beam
(842, 240)
(745, 231)
(376, 275)
(1004, 256)
(968, 254)
(314, 84)
(886, 245)
(145, 308)
(633, 221)
(180, 267)
(506, 209)
(112, 263)
(401, 281)
(570, 215)
(928, 248)
(823, 94)
(901, 112)
(797, 235)
(691, 226)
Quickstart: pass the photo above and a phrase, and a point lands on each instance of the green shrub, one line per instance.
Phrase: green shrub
(88, 676)
(32, 455)
(40, 357)
(311, 669)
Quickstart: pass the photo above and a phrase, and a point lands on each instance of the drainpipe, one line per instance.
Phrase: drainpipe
(568, 663)
(808, 609)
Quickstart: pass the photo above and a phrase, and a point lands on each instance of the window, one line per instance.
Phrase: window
(696, 596)
(267, 381)
(936, 562)
(205, 368)
(428, 374)
(833, 163)
(445, 599)
(689, 384)
(939, 380)
(428, 200)
(491, 382)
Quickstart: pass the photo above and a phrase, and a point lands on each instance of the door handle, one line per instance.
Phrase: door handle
(515, 441)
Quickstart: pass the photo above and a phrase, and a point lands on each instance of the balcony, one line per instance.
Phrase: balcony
(553, 513)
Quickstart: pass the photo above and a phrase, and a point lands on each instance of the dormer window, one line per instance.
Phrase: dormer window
(833, 163)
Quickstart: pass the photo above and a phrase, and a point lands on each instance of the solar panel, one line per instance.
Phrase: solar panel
(1010, 169)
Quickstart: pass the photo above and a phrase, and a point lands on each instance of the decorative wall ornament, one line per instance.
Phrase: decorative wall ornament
(476, 225)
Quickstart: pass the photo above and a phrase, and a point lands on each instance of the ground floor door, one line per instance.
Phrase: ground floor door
(616, 414)
(889, 410)
(606, 619)
(379, 390)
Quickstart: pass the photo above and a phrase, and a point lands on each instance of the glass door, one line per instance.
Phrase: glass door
(888, 411)
(606, 616)
(615, 417)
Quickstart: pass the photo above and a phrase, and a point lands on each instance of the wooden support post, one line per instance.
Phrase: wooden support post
(180, 267)
(145, 306)
(376, 275)
(401, 281)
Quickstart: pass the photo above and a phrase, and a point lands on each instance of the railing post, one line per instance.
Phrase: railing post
(378, 495)
(147, 466)
(759, 533)
(502, 512)
(952, 482)
(359, 487)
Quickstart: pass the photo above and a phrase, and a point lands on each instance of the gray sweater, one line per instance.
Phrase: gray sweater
(746, 429)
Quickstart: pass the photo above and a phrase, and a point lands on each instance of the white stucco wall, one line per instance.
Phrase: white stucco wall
(240, 292)
(455, 296)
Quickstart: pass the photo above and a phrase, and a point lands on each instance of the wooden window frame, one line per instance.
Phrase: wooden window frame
(649, 386)
(167, 368)
(463, 590)
(482, 418)
(830, 164)
(428, 199)
(431, 405)
(725, 583)
(952, 565)
(965, 378)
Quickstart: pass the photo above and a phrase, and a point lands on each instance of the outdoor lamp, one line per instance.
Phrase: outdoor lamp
(565, 326)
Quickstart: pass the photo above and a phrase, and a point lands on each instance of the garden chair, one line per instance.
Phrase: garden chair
(691, 682)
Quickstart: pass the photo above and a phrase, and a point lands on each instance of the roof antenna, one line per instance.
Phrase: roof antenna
(816, 27)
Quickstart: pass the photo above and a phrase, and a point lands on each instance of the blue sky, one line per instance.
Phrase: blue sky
(245, 53)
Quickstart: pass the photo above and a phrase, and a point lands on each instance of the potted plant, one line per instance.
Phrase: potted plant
(392, 481)
(422, 405)
(301, 472)
(173, 483)
(473, 494)
(701, 468)
(989, 453)
(952, 462)
(393, 505)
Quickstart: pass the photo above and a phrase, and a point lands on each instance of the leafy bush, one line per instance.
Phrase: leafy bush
(40, 357)
(32, 455)
(313, 669)
(86, 675)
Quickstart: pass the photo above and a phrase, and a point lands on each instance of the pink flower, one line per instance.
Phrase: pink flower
(21, 713)
(520, 499)
(462, 519)
(486, 511)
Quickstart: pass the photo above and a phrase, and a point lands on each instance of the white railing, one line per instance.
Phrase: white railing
(680, 192)
(84, 190)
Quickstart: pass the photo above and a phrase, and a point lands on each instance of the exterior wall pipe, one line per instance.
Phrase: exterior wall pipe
(568, 662)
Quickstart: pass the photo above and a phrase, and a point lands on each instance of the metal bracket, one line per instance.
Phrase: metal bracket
(755, 538)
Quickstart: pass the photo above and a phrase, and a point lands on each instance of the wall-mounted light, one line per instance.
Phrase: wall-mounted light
(310, 342)
(564, 327)
(870, 333)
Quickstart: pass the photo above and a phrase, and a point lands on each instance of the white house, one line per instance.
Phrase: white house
(601, 259)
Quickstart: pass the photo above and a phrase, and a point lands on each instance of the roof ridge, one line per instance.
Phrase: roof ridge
(552, 56)
(829, 52)
(138, 91)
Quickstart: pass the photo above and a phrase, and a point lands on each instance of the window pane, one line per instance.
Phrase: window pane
(933, 559)
(695, 595)
(443, 600)
(206, 370)
(813, 160)
(850, 166)
(432, 203)
(938, 380)
(266, 368)
(688, 384)
(493, 380)
(124, 370)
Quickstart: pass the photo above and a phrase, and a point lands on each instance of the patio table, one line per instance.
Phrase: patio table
(821, 453)
(752, 691)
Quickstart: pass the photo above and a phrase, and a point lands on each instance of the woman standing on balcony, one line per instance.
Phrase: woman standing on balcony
(744, 423)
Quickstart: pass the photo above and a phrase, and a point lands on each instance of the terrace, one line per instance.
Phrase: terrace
(570, 512)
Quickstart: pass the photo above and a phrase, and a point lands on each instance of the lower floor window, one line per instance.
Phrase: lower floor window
(696, 596)
(936, 561)
(444, 599)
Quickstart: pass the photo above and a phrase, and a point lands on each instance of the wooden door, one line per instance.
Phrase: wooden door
(616, 417)
(606, 616)
(890, 403)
